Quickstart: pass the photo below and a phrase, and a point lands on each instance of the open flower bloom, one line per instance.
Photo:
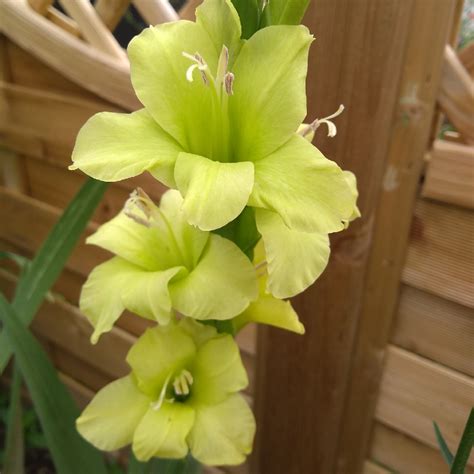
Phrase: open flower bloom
(162, 263)
(181, 395)
(220, 123)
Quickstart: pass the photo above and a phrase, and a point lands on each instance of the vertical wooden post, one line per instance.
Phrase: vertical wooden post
(430, 26)
(356, 60)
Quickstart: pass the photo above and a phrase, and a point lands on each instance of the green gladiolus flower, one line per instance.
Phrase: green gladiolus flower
(220, 124)
(164, 264)
(181, 395)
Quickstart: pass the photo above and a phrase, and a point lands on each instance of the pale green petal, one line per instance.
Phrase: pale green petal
(162, 433)
(352, 182)
(190, 239)
(309, 191)
(223, 434)
(295, 259)
(158, 354)
(214, 193)
(136, 243)
(200, 333)
(158, 72)
(110, 419)
(272, 311)
(116, 285)
(218, 371)
(269, 101)
(220, 287)
(222, 23)
(115, 146)
(147, 293)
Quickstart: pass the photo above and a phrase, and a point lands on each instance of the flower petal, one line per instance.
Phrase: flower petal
(352, 182)
(309, 191)
(220, 287)
(110, 419)
(269, 101)
(214, 193)
(272, 311)
(117, 284)
(158, 73)
(295, 259)
(159, 352)
(222, 434)
(218, 371)
(201, 333)
(136, 243)
(162, 433)
(115, 146)
(222, 23)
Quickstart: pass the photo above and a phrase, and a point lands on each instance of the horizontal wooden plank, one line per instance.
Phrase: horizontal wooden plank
(450, 174)
(402, 454)
(435, 328)
(371, 467)
(414, 392)
(440, 257)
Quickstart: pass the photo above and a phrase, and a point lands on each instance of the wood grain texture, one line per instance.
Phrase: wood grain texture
(303, 379)
(111, 11)
(450, 174)
(414, 392)
(440, 256)
(371, 467)
(429, 24)
(402, 454)
(436, 329)
(67, 54)
(155, 12)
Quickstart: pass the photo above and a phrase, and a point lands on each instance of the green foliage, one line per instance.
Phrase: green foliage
(249, 13)
(187, 465)
(55, 407)
(43, 271)
(284, 12)
(445, 451)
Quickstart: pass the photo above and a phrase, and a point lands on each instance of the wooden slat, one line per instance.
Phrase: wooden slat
(68, 55)
(450, 175)
(466, 56)
(302, 380)
(155, 12)
(429, 25)
(63, 21)
(372, 468)
(435, 328)
(456, 95)
(111, 11)
(403, 454)
(93, 29)
(40, 6)
(414, 392)
(440, 255)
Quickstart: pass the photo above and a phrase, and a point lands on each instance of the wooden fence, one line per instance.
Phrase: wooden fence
(390, 328)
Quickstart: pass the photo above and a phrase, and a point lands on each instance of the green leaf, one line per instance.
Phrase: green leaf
(20, 260)
(465, 446)
(249, 13)
(187, 465)
(14, 444)
(55, 407)
(284, 12)
(51, 258)
(446, 453)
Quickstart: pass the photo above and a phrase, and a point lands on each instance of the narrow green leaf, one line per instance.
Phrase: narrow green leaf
(284, 12)
(249, 13)
(14, 444)
(465, 446)
(51, 258)
(56, 409)
(446, 453)
(20, 260)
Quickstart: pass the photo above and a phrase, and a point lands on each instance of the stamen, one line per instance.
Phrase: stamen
(228, 83)
(157, 405)
(199, 64)
(182, 383)
(222, 64)
(332, 130)
(139, 202)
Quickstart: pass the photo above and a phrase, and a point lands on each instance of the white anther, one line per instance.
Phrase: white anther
(332, 130)
(199, 64)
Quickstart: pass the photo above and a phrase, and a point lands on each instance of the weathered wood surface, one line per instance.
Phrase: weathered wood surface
(304, 379)
(450, 173)
(414, 392)
(436, 329)
(409, 127)
(440, 256)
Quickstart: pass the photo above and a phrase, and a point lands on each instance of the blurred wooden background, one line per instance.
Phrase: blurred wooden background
(390, 327)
